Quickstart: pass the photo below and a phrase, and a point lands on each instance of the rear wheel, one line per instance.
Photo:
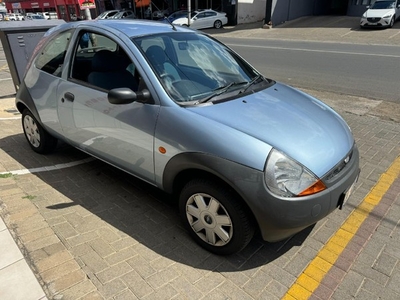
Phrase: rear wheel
(215, 217)
(218, 24)
(39, 139)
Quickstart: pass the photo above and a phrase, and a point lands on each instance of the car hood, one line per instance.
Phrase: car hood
(378, 13)
(289, 120)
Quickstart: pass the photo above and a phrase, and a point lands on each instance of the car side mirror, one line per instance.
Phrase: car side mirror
(367, 6)
(120, 96)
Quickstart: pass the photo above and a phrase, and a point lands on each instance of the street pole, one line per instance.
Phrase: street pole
(189, 8)
(268, 13)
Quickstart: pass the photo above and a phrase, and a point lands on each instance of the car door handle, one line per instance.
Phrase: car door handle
(69, 97)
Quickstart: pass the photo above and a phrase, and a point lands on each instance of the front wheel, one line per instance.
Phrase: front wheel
(392, 22)
(39, 140)
(215, 217)
(218, 24)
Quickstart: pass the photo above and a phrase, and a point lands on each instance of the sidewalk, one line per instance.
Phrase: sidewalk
(90, 232)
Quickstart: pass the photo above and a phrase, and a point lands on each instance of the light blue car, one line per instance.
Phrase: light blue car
(185, 113)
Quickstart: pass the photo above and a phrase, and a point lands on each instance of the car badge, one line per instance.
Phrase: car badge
(347, 159)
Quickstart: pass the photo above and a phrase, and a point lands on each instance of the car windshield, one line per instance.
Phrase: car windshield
(383, 5)
(194, 68)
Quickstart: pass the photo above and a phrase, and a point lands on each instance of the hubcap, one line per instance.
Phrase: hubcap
(32, 131)
(209, 219)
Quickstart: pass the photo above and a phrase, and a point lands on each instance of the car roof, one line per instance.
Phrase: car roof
(129, 27)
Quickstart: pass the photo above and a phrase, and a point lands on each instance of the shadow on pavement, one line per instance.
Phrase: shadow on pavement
(117, 200)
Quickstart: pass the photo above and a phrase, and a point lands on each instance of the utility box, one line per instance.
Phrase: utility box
(19, 40)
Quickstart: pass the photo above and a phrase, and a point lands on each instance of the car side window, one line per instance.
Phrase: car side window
(51, 59)
(101, 62)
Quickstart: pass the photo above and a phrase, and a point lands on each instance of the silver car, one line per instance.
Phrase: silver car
(185, 113)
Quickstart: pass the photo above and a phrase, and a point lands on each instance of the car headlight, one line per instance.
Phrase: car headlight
(287, 178)
(387, 16)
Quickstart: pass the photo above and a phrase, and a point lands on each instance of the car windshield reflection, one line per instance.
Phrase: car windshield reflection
(194, 68)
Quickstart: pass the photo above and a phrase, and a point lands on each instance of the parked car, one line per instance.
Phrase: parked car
(48, 15)
(160, 14)
(183, 112)
(203, 19)
(108, 14)
(15, 17)
(124, 14)
(381, 14)
(176, 15)
(35, 17)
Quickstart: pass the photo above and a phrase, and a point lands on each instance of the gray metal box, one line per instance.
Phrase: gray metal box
(19, 40)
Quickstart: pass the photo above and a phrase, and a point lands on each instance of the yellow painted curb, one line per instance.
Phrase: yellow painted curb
(316, 270)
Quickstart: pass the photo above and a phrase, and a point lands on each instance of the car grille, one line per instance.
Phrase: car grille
(373, 20)
(339, 167)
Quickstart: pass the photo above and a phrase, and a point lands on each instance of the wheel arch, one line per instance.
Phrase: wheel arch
(27, 103)
(188, 166)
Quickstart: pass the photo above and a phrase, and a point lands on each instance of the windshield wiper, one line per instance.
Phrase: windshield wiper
(250, 83)
(219, 91)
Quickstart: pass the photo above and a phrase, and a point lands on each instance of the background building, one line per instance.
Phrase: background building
(238, 11)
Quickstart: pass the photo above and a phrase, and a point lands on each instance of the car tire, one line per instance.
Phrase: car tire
(39, 139)
(218, 24)
(392, 22)
(215, 217)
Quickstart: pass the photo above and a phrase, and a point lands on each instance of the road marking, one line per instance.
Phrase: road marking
(10, 118)
(316, 270)
(313, 50)
(49, 168)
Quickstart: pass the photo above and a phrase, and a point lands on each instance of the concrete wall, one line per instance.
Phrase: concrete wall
(250, 11)
(286, 10)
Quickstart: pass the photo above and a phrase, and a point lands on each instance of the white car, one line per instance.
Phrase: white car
(381, 14)
(203, 19)
(15, 17)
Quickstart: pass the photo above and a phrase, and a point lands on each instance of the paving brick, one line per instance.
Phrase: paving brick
(126, 295)
(185, 288)
(297, 264)
(141, 266)
(166, 292)
(59, 271)
(32, 236)
(208, 283)
(112, 288)
(275, 288)
(82, 238)
(42, 243)
(53, 261)
(257, 283)
(101, 247)
(385, 264)
(113, 272)
(190, 274)
(120, 256)
(94, 262)
(162, 277)
(65, 230)
(363, 294)
(136, 283)
(227, 290)
(68, 280)
(77, 291)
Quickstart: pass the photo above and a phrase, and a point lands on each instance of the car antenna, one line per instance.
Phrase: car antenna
(170, 23)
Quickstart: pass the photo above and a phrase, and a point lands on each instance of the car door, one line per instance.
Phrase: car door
(200, 21)
(119, 134)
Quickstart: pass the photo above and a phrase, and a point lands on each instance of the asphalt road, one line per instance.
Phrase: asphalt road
(370, 71)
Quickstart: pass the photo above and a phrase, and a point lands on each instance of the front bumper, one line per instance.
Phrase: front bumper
(375, 22)
(279, 218)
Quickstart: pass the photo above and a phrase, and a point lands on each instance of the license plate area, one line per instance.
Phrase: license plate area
(348, 193)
